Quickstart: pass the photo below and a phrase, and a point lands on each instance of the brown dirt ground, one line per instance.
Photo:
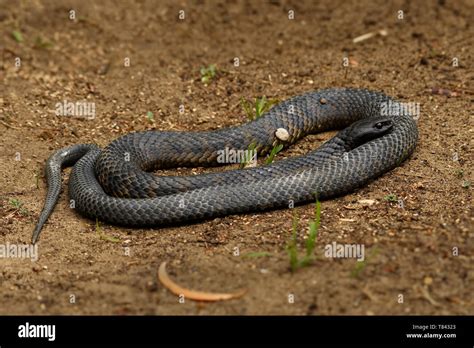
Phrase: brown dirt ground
(279, 58)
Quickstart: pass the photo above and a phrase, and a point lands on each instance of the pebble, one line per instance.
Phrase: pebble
(366, 202)
(428, 280)
(282, 134)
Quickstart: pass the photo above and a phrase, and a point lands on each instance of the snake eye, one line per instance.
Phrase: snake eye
(379, 125)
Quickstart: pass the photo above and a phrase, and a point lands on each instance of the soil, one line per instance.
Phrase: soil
(417, 230)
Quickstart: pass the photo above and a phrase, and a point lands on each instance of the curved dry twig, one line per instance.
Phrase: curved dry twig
(191, 294)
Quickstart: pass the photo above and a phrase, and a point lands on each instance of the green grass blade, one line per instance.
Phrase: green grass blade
(313, 230)
(247, 108)
(248, 155)
(150, 116)
(291, 247)
(273, 153)
(17, 36)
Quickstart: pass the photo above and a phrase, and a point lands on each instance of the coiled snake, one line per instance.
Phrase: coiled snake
(114, 184)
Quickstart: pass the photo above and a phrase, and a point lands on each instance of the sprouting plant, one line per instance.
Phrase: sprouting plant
(17, 36)
(459, 173)
(150, 116)
(208, 73)
(249, 155)
(251, 151)
(41, 42)
(260, 106)
(18, 206)
(255, 111)
(37, 177)
(360, 265)
(391, 198)
(247, 106)
(102, 235)
(466, 184)
(292, 249)
(16, 203)
(277, 148)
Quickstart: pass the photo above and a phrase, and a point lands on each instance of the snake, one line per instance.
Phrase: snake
(117, 185)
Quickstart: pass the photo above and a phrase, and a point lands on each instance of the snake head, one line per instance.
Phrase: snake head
(365, 130)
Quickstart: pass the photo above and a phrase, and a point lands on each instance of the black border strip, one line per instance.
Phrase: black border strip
(347, 330)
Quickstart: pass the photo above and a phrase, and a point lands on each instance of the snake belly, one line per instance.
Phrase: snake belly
(114, 184)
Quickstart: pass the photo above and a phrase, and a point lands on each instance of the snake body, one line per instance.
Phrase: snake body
(114, 184)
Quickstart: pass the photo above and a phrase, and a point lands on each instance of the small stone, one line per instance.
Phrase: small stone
(251, 164)
(151, 286)
(366, 202)
(103, 69)
(323, 101)
(428, 280)
(282, 134)
(419, 185)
